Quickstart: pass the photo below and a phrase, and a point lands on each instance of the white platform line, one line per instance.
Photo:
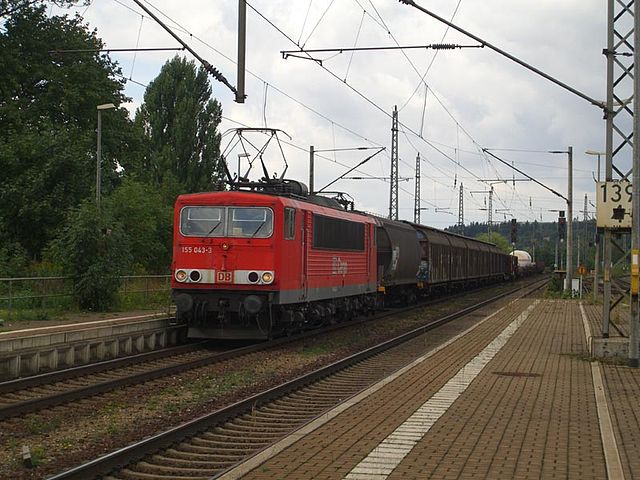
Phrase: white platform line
(436, 406)
(609, 444)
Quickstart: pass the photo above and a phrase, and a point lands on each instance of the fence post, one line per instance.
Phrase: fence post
(10, 297)
(45, 292)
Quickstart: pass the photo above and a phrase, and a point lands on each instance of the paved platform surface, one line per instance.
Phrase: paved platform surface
(515, 398)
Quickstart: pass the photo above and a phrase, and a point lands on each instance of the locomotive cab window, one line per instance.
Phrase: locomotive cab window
(202, 222)
(289, 223)
(249, 222)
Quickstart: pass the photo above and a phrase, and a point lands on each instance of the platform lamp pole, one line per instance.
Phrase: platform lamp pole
(570, 222)
(311, 168)
(569, 199)
(104, 106)
(596, 261)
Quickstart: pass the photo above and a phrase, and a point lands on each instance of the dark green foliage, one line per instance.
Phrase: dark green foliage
(48, 154)
(179, 119)
(13, 260)
(94, 251)
(48, 117)
(499, 240)
(148, 223)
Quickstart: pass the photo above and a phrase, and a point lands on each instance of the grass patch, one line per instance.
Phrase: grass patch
(110, 408)
(314, 350)
(37, 455)
(66, 443)
(36, 425)
(585, 357)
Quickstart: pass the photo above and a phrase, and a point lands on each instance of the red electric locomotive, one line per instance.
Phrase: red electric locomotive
(267, 258)
(254, 264)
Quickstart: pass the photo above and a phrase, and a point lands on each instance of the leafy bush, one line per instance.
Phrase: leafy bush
(93, 249)
(148, 223)
(14, 260)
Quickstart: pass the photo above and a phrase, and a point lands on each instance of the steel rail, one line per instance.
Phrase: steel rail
(124, 456)
(35, 404)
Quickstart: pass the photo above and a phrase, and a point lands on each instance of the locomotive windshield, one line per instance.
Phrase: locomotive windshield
(243, 222)
(256, 222)
(202, 221)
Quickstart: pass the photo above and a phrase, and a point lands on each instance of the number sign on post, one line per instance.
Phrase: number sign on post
(613, 206)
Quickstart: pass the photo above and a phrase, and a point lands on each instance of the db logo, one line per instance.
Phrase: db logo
(224, 277)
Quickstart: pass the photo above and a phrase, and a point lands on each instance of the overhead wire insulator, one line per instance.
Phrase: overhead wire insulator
(444, 46)
(215, 73)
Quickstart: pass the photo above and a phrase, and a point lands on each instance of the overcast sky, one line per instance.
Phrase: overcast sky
(475, 98)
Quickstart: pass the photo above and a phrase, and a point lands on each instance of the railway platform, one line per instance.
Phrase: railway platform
(515, 396)
(26, 352)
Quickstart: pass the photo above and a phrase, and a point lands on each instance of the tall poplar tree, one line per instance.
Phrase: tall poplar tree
(180, 121)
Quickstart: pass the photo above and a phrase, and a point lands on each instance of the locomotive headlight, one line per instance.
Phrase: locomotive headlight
(181, 275)
(267, 277)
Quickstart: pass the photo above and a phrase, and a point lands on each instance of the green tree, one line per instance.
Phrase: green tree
(499, 240)
(148, 223)
(93, 249)
(48, 117)
(180, 120)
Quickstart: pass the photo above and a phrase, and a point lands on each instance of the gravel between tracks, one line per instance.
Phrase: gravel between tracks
(65, 436)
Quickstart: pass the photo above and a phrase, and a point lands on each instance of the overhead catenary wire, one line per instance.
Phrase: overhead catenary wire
(354, 44)
(257, 77)
(433, 59)
(563, 85)
(324, 116)
(318, 23)
(135, 55)
(422, 80)
(304, 24)
(207, 66)
(281, 91)
(284, 34)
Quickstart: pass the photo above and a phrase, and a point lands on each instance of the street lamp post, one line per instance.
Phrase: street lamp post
(597, 237)
(569, 199)
(104, 106)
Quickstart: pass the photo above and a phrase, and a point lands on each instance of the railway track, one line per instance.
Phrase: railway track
(31, 394)
(47, 390)
(208, 446)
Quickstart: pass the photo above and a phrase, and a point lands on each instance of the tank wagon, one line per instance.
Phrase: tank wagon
(272, 259)
(525, 266)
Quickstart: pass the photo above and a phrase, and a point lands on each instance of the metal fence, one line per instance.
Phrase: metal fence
(20, 294)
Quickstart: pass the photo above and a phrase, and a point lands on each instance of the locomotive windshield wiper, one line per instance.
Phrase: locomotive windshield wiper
(213, 229)
(257, 229)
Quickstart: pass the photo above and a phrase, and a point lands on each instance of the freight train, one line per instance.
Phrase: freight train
(267, 259)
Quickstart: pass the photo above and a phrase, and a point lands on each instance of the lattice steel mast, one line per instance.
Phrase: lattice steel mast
(461, 211)
(416, 205)
(619, 122)
(393, 194)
